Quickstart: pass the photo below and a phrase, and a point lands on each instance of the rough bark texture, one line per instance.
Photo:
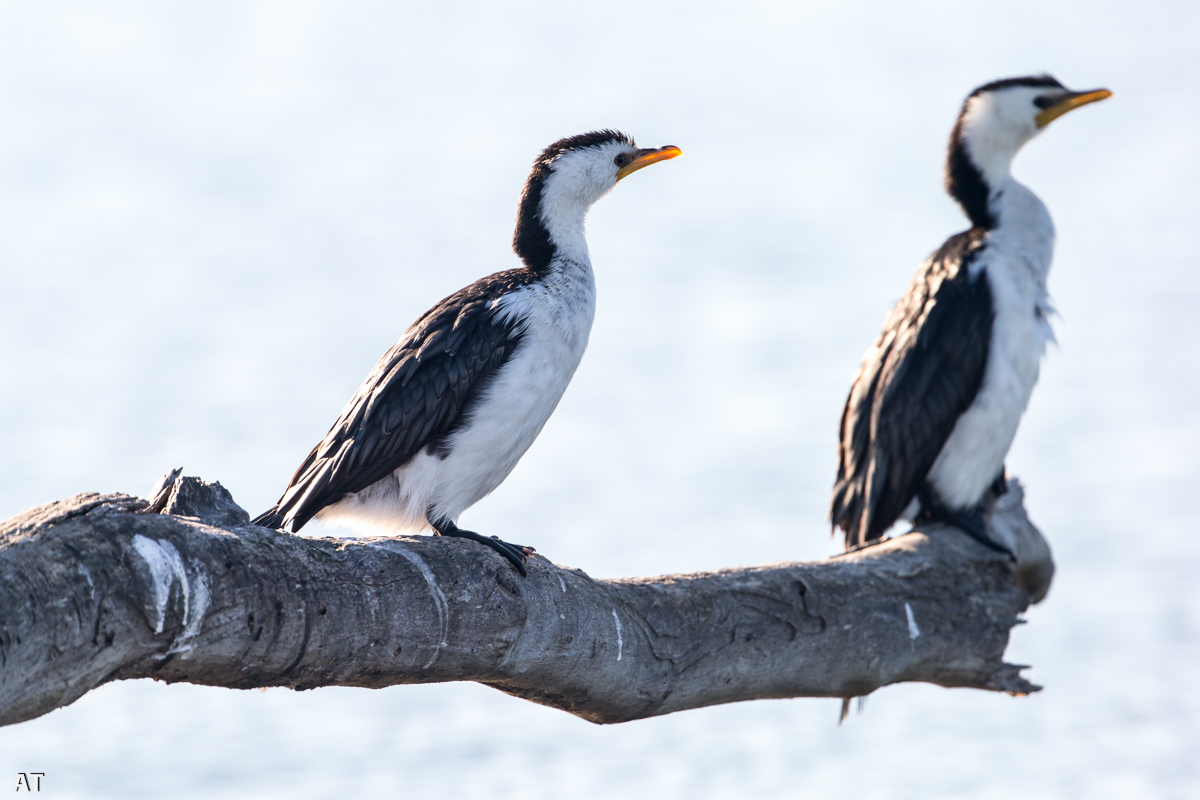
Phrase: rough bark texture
(182, 588)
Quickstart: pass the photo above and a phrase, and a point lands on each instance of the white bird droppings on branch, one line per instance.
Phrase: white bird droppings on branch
(913, 630)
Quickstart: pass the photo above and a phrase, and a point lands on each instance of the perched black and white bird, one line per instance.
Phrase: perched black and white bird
(936, 403)
(447, 412)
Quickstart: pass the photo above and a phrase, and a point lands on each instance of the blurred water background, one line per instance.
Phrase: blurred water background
(214, 217)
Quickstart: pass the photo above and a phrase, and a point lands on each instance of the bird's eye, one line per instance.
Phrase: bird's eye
(1044, 101)
(620, 160)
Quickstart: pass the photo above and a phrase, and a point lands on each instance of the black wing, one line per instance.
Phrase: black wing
(921, 374)
(418, 394)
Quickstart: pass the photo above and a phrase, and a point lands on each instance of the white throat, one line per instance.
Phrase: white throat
(995, 126)
(576, 181)
(991, 155)
(565, 220)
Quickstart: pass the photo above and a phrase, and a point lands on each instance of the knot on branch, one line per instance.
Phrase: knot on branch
(211, 503)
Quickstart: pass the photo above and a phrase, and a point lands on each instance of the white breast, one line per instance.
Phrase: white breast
(1017, 261)
(558, 314)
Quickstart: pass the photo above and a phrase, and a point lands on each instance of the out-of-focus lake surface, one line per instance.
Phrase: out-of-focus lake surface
(214, 217)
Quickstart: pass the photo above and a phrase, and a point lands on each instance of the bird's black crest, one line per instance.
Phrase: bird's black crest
(592, 139)
(1043, 81)
(531, 240)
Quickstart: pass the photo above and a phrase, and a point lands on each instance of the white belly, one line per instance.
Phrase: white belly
(974, 454)
(503, 427)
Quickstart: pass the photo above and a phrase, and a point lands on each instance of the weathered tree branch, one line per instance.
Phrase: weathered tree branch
(102, 587)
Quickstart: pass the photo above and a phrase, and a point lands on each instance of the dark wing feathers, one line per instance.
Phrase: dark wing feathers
(921, 374)
(417, 395)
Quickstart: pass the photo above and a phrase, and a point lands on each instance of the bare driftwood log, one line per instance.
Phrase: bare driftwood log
(108, 587)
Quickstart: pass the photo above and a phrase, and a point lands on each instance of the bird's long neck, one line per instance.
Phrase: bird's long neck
(565, 226)
(975, 174)
(550, 225)
(979, 177)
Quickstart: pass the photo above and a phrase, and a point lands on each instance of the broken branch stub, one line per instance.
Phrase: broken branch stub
(109, 587)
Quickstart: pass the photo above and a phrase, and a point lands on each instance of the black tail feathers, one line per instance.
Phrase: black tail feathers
(271, 518)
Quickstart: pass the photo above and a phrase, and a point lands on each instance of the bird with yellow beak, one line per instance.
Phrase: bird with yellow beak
(450, 409)
(939, 395)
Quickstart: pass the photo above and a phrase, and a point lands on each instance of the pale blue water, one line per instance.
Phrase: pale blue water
(214, 217)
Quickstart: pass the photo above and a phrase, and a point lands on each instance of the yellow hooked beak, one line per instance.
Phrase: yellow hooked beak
(644, 158)
(1070, 103)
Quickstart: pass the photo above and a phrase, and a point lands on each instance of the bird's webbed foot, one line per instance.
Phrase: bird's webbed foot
(515, 553)
(973, 523)
(1000, 484)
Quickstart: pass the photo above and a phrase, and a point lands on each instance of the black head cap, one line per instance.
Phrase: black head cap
(1043, 81)
(531, 240)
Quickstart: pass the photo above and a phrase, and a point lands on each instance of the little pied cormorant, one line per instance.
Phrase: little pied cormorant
(447, 412)
(936, 403)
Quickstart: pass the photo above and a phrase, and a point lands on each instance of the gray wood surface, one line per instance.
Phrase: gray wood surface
(182, 588)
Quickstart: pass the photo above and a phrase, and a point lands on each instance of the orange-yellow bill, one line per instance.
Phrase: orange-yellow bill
(645, 158)
(1070, 103)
